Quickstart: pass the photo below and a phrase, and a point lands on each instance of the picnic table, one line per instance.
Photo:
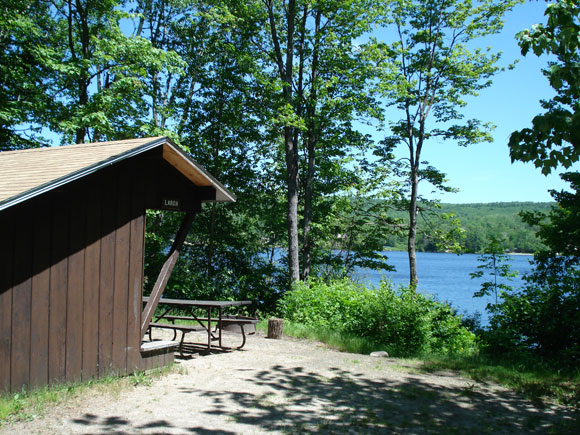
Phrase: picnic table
(234, 323)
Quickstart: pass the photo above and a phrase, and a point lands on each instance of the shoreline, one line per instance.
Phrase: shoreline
(523, 254)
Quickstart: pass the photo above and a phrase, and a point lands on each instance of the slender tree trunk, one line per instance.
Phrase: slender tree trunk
(414, 159)
(412, 237)
(291, 154)
(311, 142)
(292, 196)
(80, 18)
(308, 196)
(285, 69)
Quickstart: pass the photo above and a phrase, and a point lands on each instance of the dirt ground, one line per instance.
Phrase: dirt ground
(292, 386)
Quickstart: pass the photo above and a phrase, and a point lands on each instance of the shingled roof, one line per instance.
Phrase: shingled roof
(28, 173)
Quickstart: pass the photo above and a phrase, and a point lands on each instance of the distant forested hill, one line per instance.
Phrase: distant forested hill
(483, 221)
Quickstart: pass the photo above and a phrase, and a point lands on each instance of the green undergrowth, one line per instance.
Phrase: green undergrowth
(535, 380)
(28, 404)
(336, 340)
(401, 321)
(350, 317)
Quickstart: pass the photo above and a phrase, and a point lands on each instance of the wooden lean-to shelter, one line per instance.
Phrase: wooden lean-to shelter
(72, 232)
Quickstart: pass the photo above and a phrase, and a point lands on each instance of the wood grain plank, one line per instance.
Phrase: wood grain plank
(136, 251)
(6, 264)
(40, 296)
(21, 302)
(108, 199)
(121, 288)
(58, 293)
(91, 285)
(75, 284)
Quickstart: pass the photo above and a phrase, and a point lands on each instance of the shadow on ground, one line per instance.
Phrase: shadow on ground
(297, 399)
(302, 400)
(119, 425)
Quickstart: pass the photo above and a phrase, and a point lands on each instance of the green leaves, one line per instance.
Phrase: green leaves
(401, 321)
(23, 99)
(551, 142)
(553, 139)
(541, 318)
(426, 73)
(495, 264)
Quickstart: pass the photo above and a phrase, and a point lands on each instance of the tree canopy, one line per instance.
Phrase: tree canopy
(269, 96)
(428, 70)
(553, 139)
(543, 317)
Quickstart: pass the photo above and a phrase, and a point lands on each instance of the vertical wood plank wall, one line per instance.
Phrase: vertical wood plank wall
(71, 273)
(40, 300)
(21, 298)
(135, 284)
(121, 277)
(107, 268)
(6, 260)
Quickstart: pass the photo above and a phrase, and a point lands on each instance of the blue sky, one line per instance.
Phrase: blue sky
(484, 172)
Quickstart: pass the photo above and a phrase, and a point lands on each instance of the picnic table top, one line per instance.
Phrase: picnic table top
(201, 304)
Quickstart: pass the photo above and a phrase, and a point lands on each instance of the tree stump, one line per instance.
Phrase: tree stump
(275, 328)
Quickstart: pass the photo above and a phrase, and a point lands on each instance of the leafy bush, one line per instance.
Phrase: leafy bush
(401, 321)
(543, 317)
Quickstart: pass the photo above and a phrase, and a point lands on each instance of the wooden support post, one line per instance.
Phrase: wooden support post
(275, 328)
(165, 273)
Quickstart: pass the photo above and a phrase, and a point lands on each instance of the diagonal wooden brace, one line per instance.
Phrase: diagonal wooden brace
(165, 272)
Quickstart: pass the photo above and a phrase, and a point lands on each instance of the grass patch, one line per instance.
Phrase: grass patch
(26, 405)
(336, 340)
(531, 378)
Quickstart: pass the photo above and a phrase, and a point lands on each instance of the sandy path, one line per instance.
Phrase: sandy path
(289, 386)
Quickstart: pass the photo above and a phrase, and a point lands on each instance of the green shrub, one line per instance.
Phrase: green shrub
(400, 321)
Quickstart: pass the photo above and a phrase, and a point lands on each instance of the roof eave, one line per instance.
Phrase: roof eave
(54, 184)
(222, 194)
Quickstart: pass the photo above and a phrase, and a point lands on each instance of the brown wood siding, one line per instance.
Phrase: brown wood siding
(71, 274)
(121, 280)
(40, 296)
(6, 262)
(59, 282)
(137, 250)
(75, 284)
(171, 184)
(21, 298)
(108, 196)
(58, 294)
(90, 362)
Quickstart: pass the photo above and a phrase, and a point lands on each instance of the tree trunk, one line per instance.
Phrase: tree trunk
(311, 142)
(413, 279)
(308, 200)
(79, 16)
(216, 171)
(275, 328)
(285, 69)
(292, 196)
(412, 238)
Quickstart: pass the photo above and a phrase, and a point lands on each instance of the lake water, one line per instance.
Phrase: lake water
(445, 276)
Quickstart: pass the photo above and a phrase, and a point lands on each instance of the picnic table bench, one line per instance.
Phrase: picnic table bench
(231, 323)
